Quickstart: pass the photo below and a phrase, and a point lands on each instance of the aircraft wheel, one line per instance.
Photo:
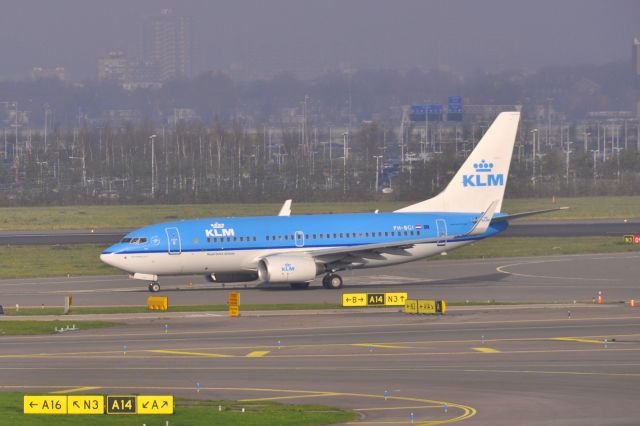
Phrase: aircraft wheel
(154, 287)
(299, 286)
(325, 281)
(334, 281)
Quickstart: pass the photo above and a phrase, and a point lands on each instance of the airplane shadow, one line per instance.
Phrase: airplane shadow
(476, 281)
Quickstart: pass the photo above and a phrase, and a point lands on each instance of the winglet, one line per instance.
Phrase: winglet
(483, 222)
(285, 210)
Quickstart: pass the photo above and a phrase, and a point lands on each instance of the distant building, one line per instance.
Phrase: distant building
(39, 73)
(115, 67)
(636, 56)
(167, 42)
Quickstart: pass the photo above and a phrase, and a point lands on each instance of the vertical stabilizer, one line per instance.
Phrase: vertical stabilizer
(483, 177)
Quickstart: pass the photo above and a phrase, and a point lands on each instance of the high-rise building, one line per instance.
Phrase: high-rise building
(115, 67)
(636, 56)
(167, 43)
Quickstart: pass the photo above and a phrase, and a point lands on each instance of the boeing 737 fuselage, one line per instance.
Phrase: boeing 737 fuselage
(296, 249)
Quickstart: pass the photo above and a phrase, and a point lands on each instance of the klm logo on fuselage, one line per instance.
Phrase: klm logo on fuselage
(483, 176)
(287, 268)
(218, 230)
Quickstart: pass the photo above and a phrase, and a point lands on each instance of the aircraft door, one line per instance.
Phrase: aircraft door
(173, 237)
(441, 227)
(299, 236)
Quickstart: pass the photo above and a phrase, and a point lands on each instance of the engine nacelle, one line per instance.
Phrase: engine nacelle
(229, 277)
(283, 268)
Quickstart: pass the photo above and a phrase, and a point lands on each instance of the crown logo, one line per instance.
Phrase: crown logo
(483, 167)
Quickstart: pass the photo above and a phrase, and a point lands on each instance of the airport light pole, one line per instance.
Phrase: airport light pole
(377, 157)
(568, 151)
(345, 136)
(153, 165)
(534, 132)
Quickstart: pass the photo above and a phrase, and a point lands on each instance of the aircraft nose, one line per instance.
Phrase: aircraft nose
(105, 258)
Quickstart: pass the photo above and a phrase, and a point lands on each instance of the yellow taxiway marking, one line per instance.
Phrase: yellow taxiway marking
(380, 345)
(80, 389)
(486, 350)
(256, 354)
(575, 339)
(275, 398)
(417, 407)
(204, 354)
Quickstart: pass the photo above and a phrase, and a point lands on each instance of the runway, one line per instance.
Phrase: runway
(516, 229)
(562, 279)
(472, 366)
(480, 365)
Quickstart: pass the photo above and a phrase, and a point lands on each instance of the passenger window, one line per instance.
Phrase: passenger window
(342, 235)
(393, 234)
(208, 239)
(255, 238)
(366, 235)
(314, 236)
(280, 237)
(406, 233)
(241, 238)
(321, 235)
(306, 236)
(267, 238)
(235, 238)
(418, 232)
(386, 234)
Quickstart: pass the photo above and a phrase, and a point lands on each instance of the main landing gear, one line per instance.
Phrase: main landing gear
(332, 281)
(154, 286)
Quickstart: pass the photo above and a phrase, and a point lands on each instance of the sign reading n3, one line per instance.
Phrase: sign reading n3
(483, 176)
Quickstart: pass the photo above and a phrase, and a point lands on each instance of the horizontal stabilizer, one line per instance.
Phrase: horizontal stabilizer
(525, 214)
(285, 210)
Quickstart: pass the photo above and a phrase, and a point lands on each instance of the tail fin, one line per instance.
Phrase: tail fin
(483, 176)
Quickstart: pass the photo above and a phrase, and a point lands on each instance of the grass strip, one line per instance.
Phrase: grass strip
(131, 216)
(14, 328)
(187, 412)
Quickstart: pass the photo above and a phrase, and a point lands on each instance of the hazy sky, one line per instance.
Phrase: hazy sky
(465, 35)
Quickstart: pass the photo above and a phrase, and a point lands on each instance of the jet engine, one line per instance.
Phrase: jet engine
(282, 268)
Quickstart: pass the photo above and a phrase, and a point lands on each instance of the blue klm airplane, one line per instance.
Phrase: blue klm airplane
(295, 250)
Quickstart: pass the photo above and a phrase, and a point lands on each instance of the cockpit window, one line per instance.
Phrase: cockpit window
(135, 240)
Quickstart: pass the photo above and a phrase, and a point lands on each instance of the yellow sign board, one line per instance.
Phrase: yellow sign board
(155, 404)
(45, 404)
(395, 299)
(441, 306)
(426, 306)
(373, 299)
(85, 404)
(121, 404)
(411, 306)
(234, 304)
(354, 299)
(158, 303)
